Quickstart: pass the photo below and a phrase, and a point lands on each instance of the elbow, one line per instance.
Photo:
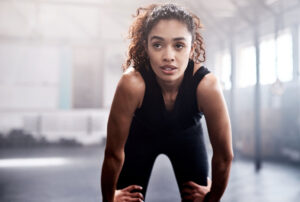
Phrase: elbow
(224, 158)
(228, 157)
(117, 156)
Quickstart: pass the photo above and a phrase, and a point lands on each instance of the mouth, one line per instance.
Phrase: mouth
(168, 69)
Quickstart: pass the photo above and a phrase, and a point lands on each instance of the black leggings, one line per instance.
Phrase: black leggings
(186, 151)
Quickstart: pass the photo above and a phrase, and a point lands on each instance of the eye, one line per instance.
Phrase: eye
(179, 46)
(156, 45)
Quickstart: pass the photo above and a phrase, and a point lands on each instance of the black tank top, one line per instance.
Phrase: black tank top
(152, 118)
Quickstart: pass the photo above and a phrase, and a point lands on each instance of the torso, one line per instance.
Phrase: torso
(166, 124)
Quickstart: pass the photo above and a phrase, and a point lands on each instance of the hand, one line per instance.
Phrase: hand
(127, 195)
(194, 192)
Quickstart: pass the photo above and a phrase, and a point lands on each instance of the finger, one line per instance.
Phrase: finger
(202, 190)
(194, 197)
(189, 185)
(188, 197)
(195, 185)
(187, 191)
(198, 198)
(132, 199)
(137, 195)
(209, 183)
(192, 184)
(198, 195)
(132, 187)
(135, 199)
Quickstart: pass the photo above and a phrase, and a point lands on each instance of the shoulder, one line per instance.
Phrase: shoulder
(131, 79)
(208, 91)
(208, 83)
(132, 84)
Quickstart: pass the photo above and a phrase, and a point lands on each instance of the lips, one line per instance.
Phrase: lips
(168, 67)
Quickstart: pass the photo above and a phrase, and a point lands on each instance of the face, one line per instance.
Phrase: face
(169, 47)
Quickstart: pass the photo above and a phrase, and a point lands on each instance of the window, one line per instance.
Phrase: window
(223, 65)
(285, 57)
(269, 71)
(246, 68)
(267, 61)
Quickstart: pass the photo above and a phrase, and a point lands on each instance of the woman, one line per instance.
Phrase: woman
(157, 108)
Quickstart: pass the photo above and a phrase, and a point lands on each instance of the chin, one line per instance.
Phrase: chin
(168, 77)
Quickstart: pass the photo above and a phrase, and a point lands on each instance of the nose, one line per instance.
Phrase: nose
(168, 55)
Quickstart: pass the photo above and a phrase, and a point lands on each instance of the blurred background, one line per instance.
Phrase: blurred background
(60, 61)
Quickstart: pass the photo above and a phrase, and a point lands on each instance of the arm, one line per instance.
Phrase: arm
(128, 97)
(211, 102)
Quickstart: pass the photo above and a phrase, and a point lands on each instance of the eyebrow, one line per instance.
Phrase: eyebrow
(162, 39)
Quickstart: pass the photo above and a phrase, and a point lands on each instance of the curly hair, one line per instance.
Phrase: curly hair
(146, 18)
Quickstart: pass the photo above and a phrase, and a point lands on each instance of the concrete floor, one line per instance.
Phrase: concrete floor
(73, 175)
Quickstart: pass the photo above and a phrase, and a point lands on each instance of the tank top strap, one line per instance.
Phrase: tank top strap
(144, 73)
(199, 74)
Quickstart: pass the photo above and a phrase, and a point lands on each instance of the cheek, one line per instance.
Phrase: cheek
(186, 54)
(153, 56)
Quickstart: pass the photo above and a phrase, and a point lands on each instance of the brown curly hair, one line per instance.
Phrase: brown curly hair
(146, 18)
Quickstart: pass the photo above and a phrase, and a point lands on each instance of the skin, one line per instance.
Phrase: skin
(168, 43)
(196, 193)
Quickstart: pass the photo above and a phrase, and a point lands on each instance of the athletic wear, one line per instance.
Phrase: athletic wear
(177, 133)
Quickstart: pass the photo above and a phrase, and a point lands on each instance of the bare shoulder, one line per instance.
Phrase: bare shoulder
(132, 80)
(209, 91)
(209, 83)
(132, 84)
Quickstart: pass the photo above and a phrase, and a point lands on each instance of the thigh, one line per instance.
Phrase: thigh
(189, 160)
(137, 167)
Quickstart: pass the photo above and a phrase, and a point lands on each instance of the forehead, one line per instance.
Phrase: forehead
(169, 29)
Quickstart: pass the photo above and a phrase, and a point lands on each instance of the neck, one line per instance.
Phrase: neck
(169, 86)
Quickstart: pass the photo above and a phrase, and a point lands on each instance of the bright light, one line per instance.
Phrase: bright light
(246, 71)
(285, 57)
(284, 69)
(33, 162)
(267, 61)
(226, 70)
(223, 64)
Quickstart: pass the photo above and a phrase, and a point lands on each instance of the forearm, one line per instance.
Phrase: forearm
(220, 177)
(110, 172)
